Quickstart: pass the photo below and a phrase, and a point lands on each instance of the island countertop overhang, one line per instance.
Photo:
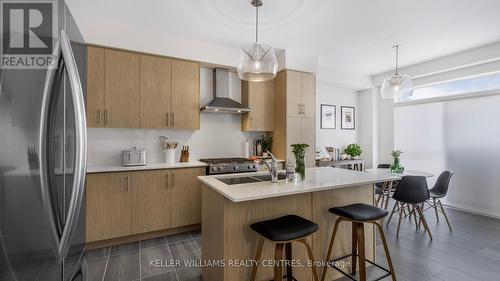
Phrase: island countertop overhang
(317, 179)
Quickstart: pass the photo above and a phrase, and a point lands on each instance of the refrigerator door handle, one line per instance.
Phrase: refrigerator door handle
(62, 240)
(48, 208)
(80, 165)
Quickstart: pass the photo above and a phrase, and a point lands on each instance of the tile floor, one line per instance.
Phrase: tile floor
(470, 252)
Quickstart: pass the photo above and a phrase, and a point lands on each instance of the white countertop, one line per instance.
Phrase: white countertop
(149, 166)
(317, 179)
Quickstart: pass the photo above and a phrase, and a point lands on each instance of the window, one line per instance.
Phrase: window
(476, 84)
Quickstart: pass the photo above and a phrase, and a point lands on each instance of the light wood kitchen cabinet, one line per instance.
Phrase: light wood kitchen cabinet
(155, 93)
(259, 96)
(132, 90)
(95, 87)
(294, 114)
(185, 108)
(186, 196)
(121, 89)
(126, 204)
(151, 201)
(308, 86)
(108, 201)
(293, 92)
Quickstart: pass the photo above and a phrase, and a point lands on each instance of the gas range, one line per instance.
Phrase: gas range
(230, 165)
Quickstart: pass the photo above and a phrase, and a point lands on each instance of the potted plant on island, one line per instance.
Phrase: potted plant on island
(299, 150)
(353, 150)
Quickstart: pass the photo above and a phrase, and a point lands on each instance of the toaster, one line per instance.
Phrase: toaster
(134, 157)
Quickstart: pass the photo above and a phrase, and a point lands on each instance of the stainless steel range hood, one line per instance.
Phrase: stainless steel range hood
(222, 102)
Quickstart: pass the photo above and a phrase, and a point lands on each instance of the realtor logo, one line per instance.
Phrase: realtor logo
(29, 29)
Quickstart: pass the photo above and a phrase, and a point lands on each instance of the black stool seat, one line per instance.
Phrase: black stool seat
(285, 228)
(360, 212)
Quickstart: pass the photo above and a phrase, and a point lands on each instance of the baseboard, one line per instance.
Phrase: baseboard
(143, 236)
(472, 211)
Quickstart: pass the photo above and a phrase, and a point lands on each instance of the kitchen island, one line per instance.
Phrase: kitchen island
(229, 245)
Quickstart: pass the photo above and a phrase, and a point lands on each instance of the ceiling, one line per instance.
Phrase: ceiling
(350, 35)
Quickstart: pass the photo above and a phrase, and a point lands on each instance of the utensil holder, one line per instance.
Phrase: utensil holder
(169, 156)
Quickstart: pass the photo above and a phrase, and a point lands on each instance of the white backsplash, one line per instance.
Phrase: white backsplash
(220, 135)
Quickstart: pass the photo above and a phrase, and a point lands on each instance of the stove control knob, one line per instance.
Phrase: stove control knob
(249, 166)
(220, 169)
(236, 168)
(214, 169)
(254, 166)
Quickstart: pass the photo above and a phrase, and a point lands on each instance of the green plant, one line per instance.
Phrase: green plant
(353, 150)
(266, 142)
(396, 153)
(396, 167)
(299, 150)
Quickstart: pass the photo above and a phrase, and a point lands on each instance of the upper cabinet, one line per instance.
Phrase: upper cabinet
(121, 89)
(185, 95)
(294, 114)
(131, 90)
(301, 93)
(156, 89)
(259, 96)
(95, 87)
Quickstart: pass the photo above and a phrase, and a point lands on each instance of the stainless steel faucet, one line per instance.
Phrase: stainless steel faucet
(272, 166)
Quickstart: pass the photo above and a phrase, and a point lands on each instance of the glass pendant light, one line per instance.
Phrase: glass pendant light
(397, 87)
(257, 62)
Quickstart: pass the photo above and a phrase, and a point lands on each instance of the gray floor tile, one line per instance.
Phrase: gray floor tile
(152, 243)
(178, 237)
(170, 276)
(98, 253)
(492, 251)
(186, 252)
(189, 274)
(96, 268)
(123, 267)
(125, 248)
(156, 261)
(196, 234)
(198, 243)
(454, 275)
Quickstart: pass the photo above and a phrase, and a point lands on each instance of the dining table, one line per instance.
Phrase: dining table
(385, 192)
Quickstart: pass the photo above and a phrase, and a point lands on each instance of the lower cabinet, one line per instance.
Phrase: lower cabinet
(151, 206)
(108, 201)
(128, 203)
(186, 196)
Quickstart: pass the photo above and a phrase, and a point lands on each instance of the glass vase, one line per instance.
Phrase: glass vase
(300, 168)
(396, 167)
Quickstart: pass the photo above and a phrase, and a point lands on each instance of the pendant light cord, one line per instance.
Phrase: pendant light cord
(397, 57)
(257, 23)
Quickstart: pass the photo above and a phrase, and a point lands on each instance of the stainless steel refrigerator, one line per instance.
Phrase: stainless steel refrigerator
(43, 150)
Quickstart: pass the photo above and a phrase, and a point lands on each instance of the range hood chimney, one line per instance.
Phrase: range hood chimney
(222, 103)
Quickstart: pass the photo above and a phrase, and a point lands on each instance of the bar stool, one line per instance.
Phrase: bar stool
(358, 214)
(282, 232)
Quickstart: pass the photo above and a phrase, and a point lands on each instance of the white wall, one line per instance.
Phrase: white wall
(339, 96)
(220, 135)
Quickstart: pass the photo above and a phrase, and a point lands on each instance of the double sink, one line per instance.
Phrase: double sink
(249, 179)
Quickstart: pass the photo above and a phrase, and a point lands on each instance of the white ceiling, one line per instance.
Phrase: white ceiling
(349, 35)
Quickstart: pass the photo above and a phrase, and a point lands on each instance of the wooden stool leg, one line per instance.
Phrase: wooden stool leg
(288, 256)
(354, 247)
(361, 248)
(278, 258)
(311, 258)
(257, 259)
(329, 254)
(386, 249)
